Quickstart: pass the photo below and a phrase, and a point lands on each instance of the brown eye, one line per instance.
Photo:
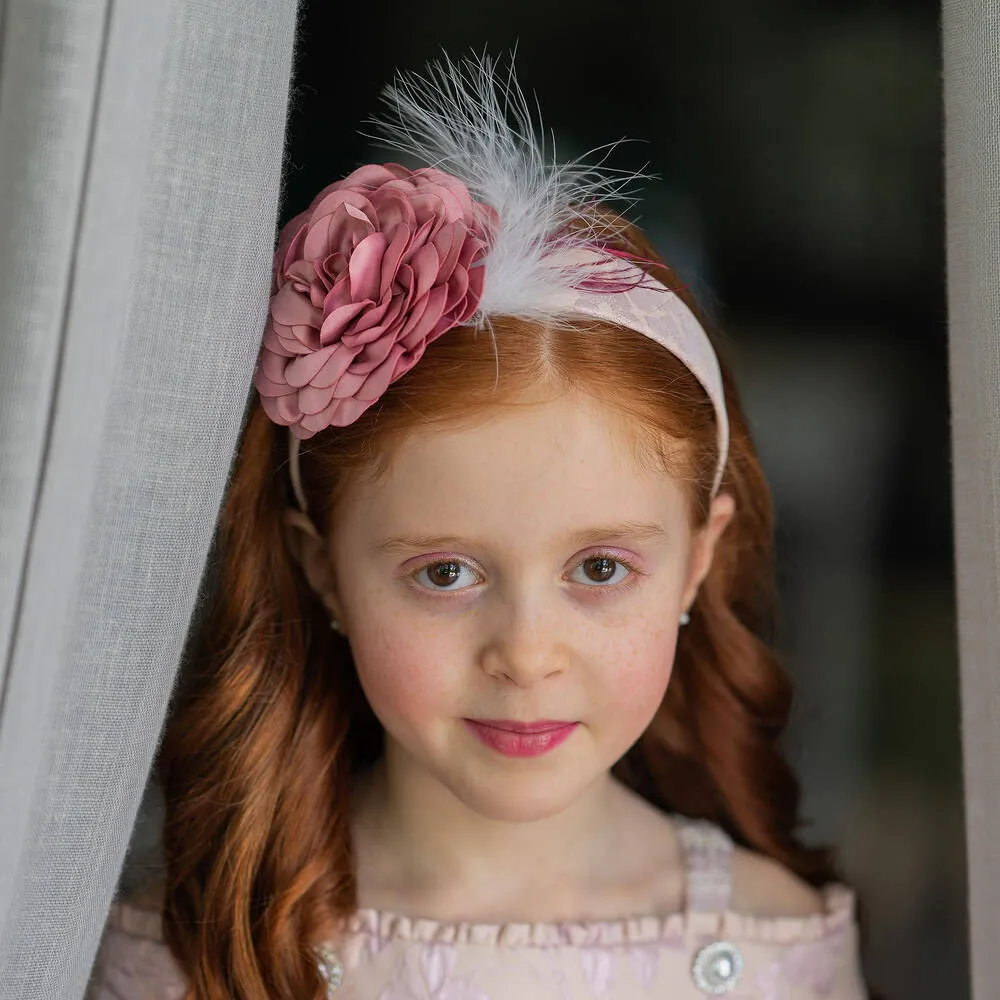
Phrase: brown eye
(600, 569)
(604, 571)
(444, 574)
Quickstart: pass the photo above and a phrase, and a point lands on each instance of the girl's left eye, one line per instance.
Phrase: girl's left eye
(603, 570)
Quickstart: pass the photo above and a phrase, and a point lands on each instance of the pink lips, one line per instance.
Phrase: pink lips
(520, 739)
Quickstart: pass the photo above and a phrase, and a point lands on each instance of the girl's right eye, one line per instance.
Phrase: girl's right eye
(444, 574)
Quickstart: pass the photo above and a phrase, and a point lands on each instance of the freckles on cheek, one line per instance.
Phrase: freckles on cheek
(644, 664)
(405, 673)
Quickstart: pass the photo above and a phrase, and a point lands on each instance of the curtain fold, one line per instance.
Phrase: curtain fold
(971, 50)
(140, 165)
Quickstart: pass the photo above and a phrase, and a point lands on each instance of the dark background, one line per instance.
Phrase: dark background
(798, 153)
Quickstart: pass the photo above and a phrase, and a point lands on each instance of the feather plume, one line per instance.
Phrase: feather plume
(471, 119)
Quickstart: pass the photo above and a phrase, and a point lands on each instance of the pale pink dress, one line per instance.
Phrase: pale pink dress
(706, 950)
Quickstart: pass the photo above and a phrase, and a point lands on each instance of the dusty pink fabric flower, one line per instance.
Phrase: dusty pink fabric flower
(379, 265)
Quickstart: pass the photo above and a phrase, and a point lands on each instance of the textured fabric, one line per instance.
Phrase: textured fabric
(385, 956)
(140, 162)
(971, 41)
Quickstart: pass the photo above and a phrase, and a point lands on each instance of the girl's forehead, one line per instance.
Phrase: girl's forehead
(550, 466)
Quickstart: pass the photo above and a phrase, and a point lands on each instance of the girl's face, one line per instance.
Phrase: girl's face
(525, 570)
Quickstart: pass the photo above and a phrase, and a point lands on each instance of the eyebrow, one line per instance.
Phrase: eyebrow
(641, 531)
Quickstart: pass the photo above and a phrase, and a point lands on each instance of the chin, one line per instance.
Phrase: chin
(517, 798)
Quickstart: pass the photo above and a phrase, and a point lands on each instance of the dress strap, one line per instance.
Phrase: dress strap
(708, 857)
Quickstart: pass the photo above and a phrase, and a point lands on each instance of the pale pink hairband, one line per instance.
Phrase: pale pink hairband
(649, 308)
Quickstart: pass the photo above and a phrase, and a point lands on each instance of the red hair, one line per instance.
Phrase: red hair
(269, 725)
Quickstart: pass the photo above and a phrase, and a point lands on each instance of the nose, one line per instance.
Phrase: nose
(529, 645)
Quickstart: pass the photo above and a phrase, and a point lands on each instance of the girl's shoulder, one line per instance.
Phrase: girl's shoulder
(753, 910)
(133, 961)
(765, 887)
(721, 875)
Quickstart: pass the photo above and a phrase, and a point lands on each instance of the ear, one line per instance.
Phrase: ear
(703, 544)
(309, 549)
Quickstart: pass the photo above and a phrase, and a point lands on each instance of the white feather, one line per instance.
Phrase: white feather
(474, 122)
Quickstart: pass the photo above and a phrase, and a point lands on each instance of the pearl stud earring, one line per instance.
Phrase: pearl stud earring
(685, 618)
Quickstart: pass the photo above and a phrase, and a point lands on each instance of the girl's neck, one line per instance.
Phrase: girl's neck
(423, 852)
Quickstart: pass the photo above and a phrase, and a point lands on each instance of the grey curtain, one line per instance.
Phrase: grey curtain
(140, 162)
(971, 37)
(140, 156)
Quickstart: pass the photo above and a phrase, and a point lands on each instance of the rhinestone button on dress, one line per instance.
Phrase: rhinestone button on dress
(717, 967)
(330, 969)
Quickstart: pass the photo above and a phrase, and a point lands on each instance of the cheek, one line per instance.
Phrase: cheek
(407, 670)
(635, 688)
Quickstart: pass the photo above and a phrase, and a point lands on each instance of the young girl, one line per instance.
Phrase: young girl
(483, 704)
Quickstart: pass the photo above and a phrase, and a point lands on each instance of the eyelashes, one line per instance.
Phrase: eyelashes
(430, 578)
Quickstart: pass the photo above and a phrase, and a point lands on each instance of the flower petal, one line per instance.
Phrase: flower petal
(338, 295)
(298, 339)
(290, 243)
(411, 318)
(426, 264)
(429, 207)
(301, 271)
(273, 366)
(334, 369)
(270, 388)
(378, 381)
(347, 227)
(428, 318)
(394, 208)
(398, 246)
(373, 354)
(448, 242)
(457, 287)
(371, 175)
(349, 383)
(368, 320)
(288, 408)
(424, 233)
(290, 307)
(301, 371)
(366, 267)
(359, 334)
(404, 285)
(451, 184)
(313, 399)
(271, 406)
(338, 320)
(454, 210)
(348, 410)
(273, 343)
(323, 218)
(313, 423)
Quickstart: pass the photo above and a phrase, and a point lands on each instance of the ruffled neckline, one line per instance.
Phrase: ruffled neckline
(384, 926)
(838, 914)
